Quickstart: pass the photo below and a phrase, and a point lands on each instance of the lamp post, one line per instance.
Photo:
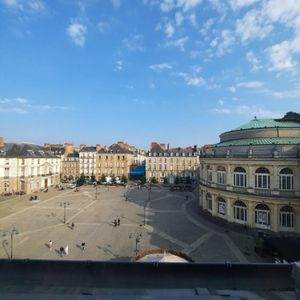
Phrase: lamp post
(96, 186)
(145, 204)
(137, 236)
(64, 205)
(12, 233)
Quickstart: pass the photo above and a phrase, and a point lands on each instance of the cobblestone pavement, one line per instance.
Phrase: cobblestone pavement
(171, 221)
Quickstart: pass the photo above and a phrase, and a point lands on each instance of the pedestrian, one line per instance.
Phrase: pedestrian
(115, 222)
(61, 251)
(66, 250)
(50, 245)
(82, 246)
(72, 225)
(119, 221)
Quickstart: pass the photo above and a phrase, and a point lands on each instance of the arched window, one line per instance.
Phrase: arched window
(222, 206)
(262, 178)
(286, 179)
(287, 217)
(209, 201)
(240, 211)
(262, 214)
(221, 175)
(239, 177)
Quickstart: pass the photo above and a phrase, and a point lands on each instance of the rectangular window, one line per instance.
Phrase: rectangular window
(240, 179)
(221, 208)
(286, 182)
(221, 177)
(262, 181)
(287, 219)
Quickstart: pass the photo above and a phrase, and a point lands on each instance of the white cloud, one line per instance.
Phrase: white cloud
(292, 93)
(178, 18)
(77, 32)
(237, 4)
(103, 26)
(253, 61)
(232, 89)
(167, 5)
(169, 30)
(116, 3)
(179, 43)
(160, 67)
(192, 80)
(195, 81)
(193, 19)
(152, 85)
(252, 26)
(280, 55)
(185, 5)
(207, 25)
(221, 102)
(134, 43)
(188, 4)
(31, 6)
(249, 111)
(22, 105)
(119, 65)
(227, 41)
(251, 84)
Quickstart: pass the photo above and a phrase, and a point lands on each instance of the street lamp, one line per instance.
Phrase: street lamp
(12, 232)
(145, 204)
(137, 236)
(65, 204)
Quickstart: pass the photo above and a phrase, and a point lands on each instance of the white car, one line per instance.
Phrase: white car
(71, 186)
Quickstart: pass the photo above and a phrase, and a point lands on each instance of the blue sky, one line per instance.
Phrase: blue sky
(172, 71)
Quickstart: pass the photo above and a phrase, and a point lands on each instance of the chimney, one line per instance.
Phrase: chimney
(168, 147)
(98, 147)
(69, 149)
(46, 145)
(1, 141)
(153, 145)
(163, 146)
(82, 146)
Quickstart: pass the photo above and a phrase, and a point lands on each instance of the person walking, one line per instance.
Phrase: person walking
(50, 245)
(115, 223)
(72, 225)
(67, 250)
(61, 251)
(119, 221)
(82, 246)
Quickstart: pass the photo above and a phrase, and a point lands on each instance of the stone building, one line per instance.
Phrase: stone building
(87, 160)
(252, 177)
(27, 168)
(115, 160)
(166, 163)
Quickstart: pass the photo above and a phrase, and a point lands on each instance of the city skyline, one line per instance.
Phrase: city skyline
(173, 71)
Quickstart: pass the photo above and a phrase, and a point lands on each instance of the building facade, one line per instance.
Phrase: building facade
(252, 177)
(70, 169)
(166, 164)
(27, 168)
(87, 160)
(114, 161)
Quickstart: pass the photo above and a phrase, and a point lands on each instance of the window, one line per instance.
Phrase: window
(262, 215)
(6, 173)
(262, 178)
(286, 179)
(209, 202)
(287, 217)
(221, 175)
(240, 211)
(209, 173)
(221, 206)
(240, 177)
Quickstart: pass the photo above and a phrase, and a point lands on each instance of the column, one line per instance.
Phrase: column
(251, 177)
(229, 209)
(214, 205)
(202, 199)
(250, 213)
(274, 217)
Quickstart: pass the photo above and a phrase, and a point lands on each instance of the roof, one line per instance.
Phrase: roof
(115, 148)
(26, 150)
(267, 123)
(88, 149)
(261, 141)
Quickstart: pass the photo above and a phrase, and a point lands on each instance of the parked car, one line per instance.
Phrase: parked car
(71, 185)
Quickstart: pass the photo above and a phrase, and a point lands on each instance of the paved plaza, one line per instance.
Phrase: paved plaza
(172, 220)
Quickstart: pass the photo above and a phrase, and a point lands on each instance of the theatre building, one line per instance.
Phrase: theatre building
(251, 176)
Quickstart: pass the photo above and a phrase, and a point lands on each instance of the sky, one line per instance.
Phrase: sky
(171, 71)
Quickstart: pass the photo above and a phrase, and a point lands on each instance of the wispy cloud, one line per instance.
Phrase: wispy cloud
(77, 32)
(22, 106)
(251, 84)
(134, 43)
(254, 61)
(252, 110)
(185, 5)
(27, 6)
(196, 81)
(178, 43)
(116, 3)
(103, 26)
(119, 65)
(238, 4)
(160, 67)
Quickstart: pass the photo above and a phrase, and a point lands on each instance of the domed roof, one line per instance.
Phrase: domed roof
(267, 123)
